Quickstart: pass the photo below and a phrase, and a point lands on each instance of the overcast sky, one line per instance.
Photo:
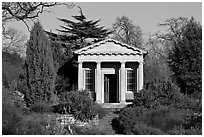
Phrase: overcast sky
(145, 14)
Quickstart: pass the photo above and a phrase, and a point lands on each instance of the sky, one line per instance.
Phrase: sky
(145, 14)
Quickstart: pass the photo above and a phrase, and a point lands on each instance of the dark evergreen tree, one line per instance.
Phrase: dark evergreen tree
(185, 59)
(77, 32)
(73, 35)
(40, 73)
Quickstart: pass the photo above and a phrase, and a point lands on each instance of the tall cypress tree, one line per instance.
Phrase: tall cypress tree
(39, 66)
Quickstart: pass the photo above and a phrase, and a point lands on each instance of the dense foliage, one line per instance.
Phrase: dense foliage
(185, 59)
(39, 67)
(12, 67)
(160, 109)
(80, 104)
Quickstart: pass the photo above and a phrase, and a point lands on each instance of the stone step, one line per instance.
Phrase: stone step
(114, 105)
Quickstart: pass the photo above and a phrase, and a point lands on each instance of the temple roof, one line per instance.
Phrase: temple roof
(110, 47)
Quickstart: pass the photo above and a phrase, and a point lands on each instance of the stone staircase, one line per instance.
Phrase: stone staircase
(114, 105)
(105, 122)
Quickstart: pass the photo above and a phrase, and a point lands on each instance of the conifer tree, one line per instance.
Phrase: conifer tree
(39, 67)
(76, 32)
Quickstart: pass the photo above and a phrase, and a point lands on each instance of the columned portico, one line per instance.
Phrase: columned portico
(111, 71)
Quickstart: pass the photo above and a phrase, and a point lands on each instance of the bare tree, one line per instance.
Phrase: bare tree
(174, 27)
(125, 31)
(26, 11)
(14, 40)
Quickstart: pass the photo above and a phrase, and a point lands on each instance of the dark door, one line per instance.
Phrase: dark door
(110, 88)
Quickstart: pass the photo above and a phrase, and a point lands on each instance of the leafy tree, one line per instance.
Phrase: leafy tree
(185, 58)
(39, 67)
(125, 31)
(155, 61)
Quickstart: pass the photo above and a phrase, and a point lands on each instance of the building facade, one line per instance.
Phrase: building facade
(111, 71)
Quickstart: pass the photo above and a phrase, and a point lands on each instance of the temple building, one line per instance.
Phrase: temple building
(111, 71)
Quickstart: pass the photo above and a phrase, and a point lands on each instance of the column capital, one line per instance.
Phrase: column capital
(98, 62)
(80, 62)
(141, 62)
(122, 62)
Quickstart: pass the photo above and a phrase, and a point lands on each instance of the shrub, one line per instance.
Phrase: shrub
(177, 130)
(193, 120)
(158, 93)
(11, 68)
(80, 105)
(193, 131)
(128, 118)
(186, 103)
(85, 130)
(164, 118)
(13, 97)
(41, 107)
(11, 117)
(143, 129)
(34, 124)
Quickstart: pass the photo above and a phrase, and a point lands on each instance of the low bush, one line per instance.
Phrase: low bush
(193, 121)
(80, 104)
(161, 93)
(76, 130)
(152, 121)
(143, 129)
(33, 126)
(128, 118)
(177, 130)
(14, 122)
(160, 108)
(41, 107)
(164, 118)
(11, 118)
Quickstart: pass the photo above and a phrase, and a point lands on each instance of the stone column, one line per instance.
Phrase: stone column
(140, 79)
(122, 83)
(98, 83)
(80, 76)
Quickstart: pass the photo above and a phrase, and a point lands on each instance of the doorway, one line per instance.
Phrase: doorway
(110, 88)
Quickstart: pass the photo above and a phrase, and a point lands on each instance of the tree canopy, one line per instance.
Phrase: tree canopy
(77, 32)
(125, 31)
(185, 58)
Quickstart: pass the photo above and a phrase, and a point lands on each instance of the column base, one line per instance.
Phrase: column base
(122, 102)
(99, 101)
